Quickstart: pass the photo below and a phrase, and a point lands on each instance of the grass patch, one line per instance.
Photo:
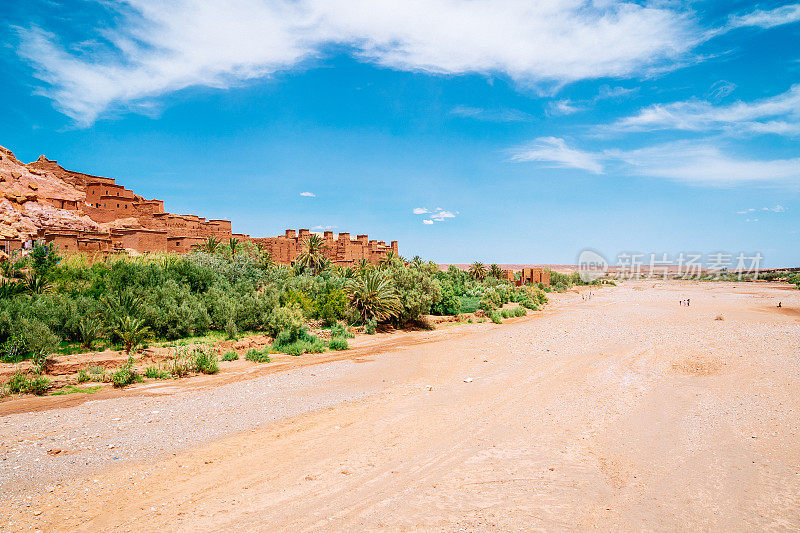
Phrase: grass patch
(338, 343)
(155, 372)
(20, 383)
(496, 317)
(91, 373)
(72, 389)
(205, 362)
(469, 304)
(230, 356)
(258, 356)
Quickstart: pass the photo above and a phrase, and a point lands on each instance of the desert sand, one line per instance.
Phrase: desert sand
(623, 412)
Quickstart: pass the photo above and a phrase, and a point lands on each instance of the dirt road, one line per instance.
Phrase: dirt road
(624, 412)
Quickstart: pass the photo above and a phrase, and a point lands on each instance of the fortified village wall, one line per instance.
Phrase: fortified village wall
(84, 213)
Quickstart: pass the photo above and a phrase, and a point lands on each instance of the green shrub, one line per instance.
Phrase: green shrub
(20, 383)
(205, 362)
(338, 343)
(519, 311)
(179, 365)
(286, 319)
(125, 375)
(340, 330)
(505, 313)
(155, 372)
(230, 356)
(231, 330)
(370, 326)
(258, 356)
(496, 317)
(300, 347)
(469, 304)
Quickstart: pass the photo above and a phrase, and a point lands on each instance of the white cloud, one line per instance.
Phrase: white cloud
(324, 228)
(491, 115)
(768, 19)
(705, 164)
(751, 220)
(777, 114)
(308, 194)
(563, 107)
(689, 162)
(777, 209)
(555, 150)
(437, 215)
(161, 47)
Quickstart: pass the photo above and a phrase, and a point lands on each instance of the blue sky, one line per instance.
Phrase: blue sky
(503, 131)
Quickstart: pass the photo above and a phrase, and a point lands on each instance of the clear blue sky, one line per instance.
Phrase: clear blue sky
(517, 131)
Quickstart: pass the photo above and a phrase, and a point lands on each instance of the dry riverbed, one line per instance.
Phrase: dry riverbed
(626, 411)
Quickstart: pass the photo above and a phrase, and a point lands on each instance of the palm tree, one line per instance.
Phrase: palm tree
(374, 296)
(233, 243)
(36, 283)
(477, 270)
(496, 271)
(209, 245)
(362, 265)
(416, 261)
(388, 259)
(131, 331)
(312, 255)
(9, 288)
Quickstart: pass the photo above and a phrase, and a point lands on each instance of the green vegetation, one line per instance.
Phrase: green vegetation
(72, 389)
(223, 290)
(125, 375)
(338, 343)
(21, 383)
(258, 356)
(205, 362)
(230, 356)
(156, 372)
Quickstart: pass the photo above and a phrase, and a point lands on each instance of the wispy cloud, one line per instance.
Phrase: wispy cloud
(776, 114)
(323, 228)
(157, 48)
(491, 115)
(767, 19)
(563, 107)
(696, 163)
(705, 164)
(308, 194)
(555, 150)
(435, 215)
(777, 209)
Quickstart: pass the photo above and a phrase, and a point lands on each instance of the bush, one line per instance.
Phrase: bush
(179, 365)
(286, 319)
(125, 375)
(496, 317)
(519, 311)
(370, 326)
(21, 384)
(205, 362)
(154, 372)
(230, 356)
(338, 343)
(92, 373)
(300, 347)
(258, 356)
(231, 330)
(340, 330)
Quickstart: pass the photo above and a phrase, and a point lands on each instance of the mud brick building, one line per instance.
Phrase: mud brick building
(84, 213)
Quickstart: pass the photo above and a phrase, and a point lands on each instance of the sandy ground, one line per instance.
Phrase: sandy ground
(624, 412)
